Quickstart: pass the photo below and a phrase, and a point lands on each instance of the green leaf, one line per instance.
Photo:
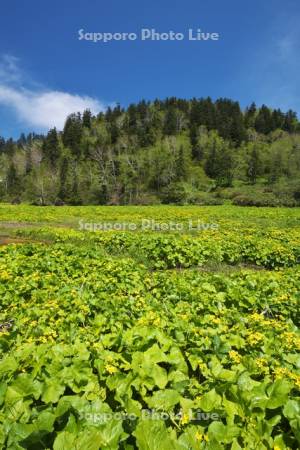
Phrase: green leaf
(26, 386)
(159, 376)
(278, 393)
(291, 409)
(8, 364)
(53, 391)
(64, 441)
(164, 400)
(153, 435)
(223, 433)
(210, 401)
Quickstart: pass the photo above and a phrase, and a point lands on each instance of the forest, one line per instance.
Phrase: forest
(171, 151)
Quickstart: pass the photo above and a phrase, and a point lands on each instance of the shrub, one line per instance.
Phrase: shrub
(266, 199)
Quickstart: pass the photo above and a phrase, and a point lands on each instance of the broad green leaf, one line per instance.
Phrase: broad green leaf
(164, 400)
(210, 401)
(153, 435)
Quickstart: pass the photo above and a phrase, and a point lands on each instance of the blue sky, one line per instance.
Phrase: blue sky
(46, 72)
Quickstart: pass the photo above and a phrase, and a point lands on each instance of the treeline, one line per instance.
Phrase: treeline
(172, 151)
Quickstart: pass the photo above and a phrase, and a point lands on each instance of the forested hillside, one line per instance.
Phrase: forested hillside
(174, 151)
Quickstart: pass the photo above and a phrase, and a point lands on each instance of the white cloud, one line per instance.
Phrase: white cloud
(46, 109)
(36, 107)
(9, 70)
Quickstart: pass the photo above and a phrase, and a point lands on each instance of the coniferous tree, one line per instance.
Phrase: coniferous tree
(12, 180)
(197, 151)
(208, 113)
(74, 194)
(290, 121)
(51, 148)
(146, 136)
(276, 168)
(114, 131)
(224, 167)
(28, 164)
(130, 124)
(211, 168)
(170, 126)
(219, 161)
(63, 193)
(253, 166)
(230, 121)
(182, 165)
(263, 122)
(72, 134)
(278, 119)
(87, 119)
(21, 142)
(250, 116)
(2, 144)
(10, 147)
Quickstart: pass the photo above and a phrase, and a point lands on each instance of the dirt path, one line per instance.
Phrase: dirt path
(6, 240)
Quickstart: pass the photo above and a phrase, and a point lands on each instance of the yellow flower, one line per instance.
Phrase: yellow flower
(111, 369)
(149, 319)
(294, 377)
(5, 275)
(255, 338)
(184, 419)
(280, 372)
(297, 382)
(291, 340)
(261, 362)
(235, 356)
(202, 366)
(283, 297)
(216, 320)
(199, 436)
(256, 317)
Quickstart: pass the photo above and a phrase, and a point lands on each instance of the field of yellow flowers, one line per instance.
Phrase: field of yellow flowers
(152, 338)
